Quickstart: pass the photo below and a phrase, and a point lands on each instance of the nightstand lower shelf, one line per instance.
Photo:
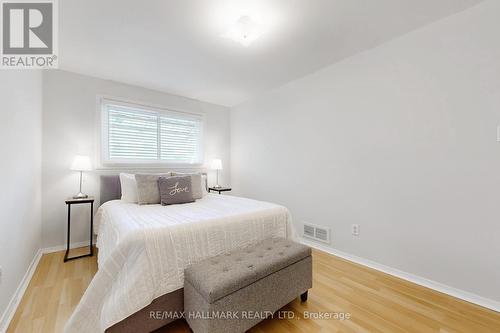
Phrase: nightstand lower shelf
(66, 258)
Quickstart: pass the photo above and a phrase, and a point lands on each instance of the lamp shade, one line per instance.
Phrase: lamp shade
(216, 164)
(81, 163)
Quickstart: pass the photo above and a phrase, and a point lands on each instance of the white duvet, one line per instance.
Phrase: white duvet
(143, 250)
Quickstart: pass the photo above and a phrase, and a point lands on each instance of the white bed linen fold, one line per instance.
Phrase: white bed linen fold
(143, 250)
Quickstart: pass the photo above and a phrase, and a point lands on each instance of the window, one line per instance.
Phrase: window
(133, 134)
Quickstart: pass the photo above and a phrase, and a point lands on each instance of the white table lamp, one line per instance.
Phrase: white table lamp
(217, 165)
(81, 164)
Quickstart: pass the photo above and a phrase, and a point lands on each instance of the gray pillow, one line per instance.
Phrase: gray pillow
(196, 183)
(175, 190)
(148, 191)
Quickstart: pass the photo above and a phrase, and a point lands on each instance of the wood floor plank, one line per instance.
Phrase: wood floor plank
(376, 302)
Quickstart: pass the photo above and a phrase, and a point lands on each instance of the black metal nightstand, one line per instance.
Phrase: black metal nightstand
(219, 189)
(70, 202)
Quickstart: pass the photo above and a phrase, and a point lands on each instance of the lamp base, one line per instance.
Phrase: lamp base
(80, 196)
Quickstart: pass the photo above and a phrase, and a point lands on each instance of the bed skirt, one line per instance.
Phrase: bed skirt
(153, 316)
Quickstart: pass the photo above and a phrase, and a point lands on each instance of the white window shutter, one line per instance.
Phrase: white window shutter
(134, 134)
(179, 139)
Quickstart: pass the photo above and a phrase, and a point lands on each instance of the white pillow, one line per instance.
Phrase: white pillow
(129, 187)
(204, 185)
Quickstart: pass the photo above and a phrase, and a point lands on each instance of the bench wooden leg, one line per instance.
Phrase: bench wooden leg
(303, 297)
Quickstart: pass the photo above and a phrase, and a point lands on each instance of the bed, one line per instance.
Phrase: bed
(143, 251)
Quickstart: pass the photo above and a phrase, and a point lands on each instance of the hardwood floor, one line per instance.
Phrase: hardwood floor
(376, 302)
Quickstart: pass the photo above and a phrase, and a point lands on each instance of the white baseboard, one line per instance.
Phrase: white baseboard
(454, 292)
(63, 247)
(18, 295)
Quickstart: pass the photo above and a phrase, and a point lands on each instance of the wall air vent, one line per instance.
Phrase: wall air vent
(316, 232)
(309, 231)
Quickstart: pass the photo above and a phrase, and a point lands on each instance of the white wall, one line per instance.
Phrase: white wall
(69, 128)
(20, 167)
(400, 139)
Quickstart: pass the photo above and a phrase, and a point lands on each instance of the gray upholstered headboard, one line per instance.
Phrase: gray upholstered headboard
(111, 188)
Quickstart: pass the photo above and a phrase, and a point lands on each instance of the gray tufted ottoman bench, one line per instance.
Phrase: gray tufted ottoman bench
(235, 291)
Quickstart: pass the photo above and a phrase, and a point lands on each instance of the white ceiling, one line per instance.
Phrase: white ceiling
(176, 45)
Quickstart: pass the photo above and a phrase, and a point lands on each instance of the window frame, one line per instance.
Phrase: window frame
(103, 139)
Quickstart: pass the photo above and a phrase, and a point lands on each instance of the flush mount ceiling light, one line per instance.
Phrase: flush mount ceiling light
(244, 31)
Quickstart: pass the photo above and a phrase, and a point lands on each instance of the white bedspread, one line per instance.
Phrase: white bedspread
(143, 250)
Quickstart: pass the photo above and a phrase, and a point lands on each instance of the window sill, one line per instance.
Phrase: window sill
(148, 166)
